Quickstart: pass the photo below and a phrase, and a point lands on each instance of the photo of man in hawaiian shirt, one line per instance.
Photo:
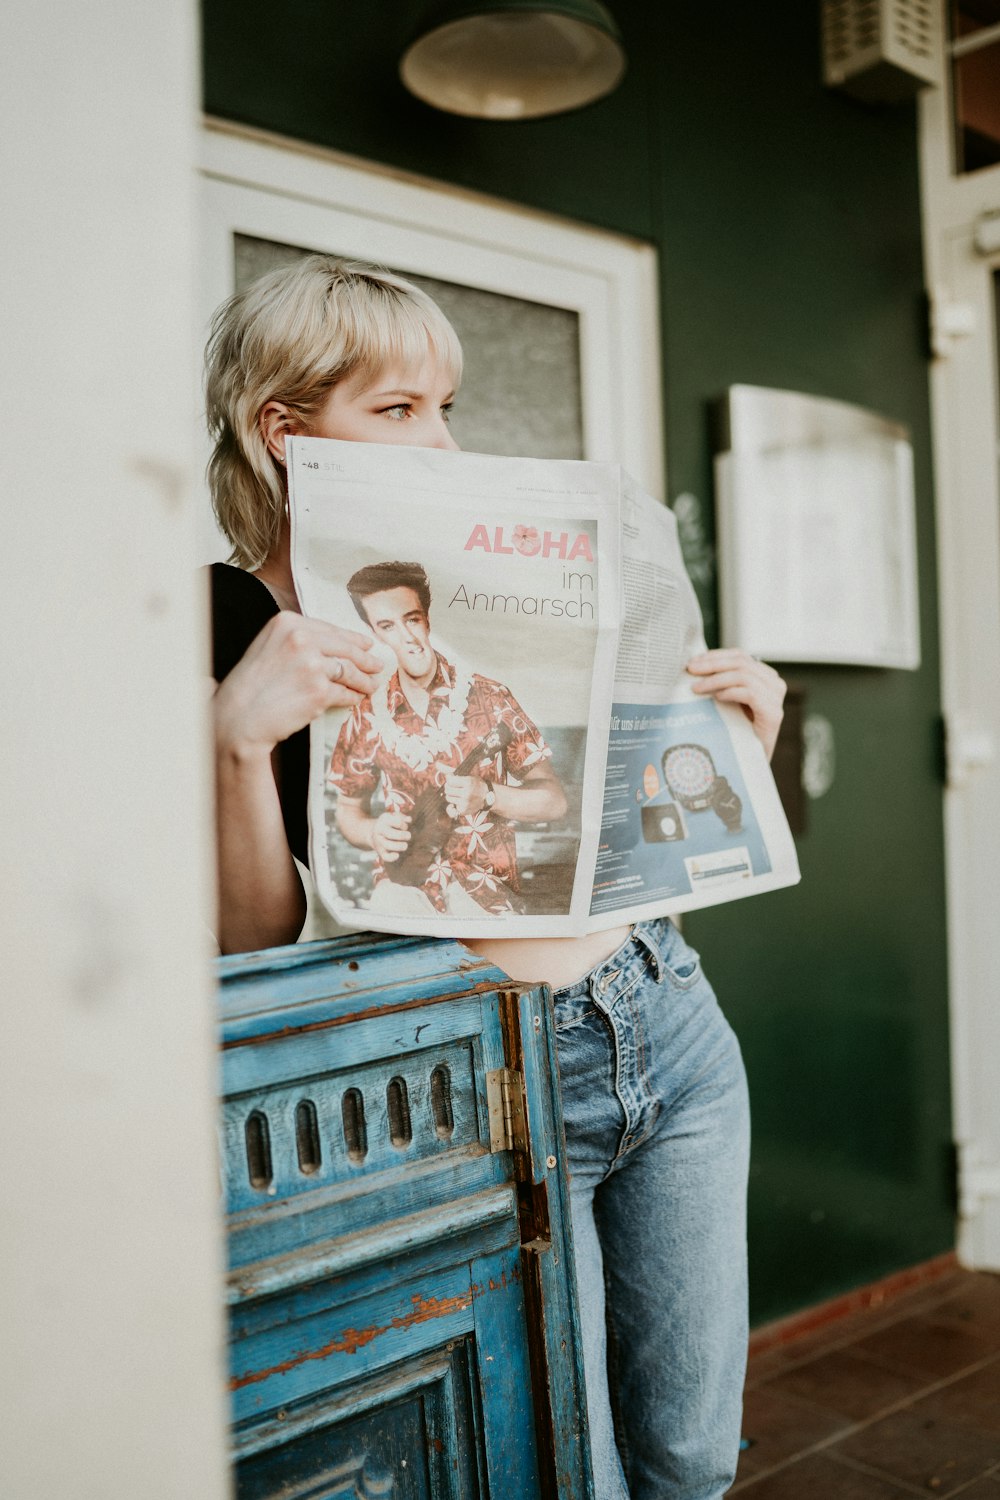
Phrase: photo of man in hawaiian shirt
(456, 759)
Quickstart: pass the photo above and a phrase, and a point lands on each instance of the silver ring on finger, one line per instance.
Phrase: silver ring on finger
(337, 670)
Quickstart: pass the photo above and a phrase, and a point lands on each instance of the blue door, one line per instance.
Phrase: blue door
(402, 1303)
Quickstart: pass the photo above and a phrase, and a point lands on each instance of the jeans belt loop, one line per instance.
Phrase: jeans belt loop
(641, 935)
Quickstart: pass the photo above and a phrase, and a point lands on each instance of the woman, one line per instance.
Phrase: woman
(654, 1094)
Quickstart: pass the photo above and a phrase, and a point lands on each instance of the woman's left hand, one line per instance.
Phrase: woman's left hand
(734, 677)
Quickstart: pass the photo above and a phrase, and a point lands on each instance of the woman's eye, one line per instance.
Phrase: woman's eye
(447, 410)
(397, 413)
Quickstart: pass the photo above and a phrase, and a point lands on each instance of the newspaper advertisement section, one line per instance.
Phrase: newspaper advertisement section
(532, 761)
(691, 812)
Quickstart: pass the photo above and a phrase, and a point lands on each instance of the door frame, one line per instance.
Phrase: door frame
(264, 185)
(965, 402)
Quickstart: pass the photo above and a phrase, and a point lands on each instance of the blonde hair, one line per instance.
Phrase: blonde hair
(291, 336)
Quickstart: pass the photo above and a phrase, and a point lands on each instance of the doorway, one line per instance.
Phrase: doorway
(568, 313)
(559, 322)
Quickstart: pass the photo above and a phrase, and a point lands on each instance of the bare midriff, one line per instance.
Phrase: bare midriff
(557, 961)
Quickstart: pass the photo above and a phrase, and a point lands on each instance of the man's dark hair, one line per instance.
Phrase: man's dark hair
(378, 577)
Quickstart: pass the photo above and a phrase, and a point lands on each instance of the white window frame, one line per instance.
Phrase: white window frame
(271, 188)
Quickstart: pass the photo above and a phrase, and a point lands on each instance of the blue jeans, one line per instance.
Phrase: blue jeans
(657, 1135)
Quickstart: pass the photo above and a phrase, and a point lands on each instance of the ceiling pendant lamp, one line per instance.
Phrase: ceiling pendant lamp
(514, 59)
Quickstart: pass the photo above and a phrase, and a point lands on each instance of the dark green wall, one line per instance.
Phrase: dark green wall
(787, 223)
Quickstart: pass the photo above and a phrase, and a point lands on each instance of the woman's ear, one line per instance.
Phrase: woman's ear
(276, 423)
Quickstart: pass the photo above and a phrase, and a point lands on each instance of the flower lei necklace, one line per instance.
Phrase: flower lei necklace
(436, 739)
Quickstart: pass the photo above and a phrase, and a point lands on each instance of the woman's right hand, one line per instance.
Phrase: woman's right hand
(293, 671)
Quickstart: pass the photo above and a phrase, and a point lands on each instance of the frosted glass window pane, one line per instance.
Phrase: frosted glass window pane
(521, 388)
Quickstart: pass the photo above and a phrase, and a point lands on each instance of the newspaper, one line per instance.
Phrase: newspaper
(533, 761)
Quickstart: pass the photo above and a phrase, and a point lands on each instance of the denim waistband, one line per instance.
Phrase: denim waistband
(645, 942)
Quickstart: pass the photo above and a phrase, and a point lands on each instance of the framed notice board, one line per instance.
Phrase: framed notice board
(816, 531)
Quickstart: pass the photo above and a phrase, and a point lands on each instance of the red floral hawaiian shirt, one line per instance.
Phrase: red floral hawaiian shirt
(385, 743)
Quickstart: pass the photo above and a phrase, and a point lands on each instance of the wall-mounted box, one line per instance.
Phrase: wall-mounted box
(881, 50)
(816, 531)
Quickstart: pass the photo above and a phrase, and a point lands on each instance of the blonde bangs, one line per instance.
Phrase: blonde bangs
(385, 321)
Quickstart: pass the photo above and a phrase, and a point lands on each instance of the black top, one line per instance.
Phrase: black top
(241, 607)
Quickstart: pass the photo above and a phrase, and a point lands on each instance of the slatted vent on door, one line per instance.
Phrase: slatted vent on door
(301, 1136)
(881, 50)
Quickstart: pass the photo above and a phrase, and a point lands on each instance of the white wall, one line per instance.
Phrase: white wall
(110, 1247)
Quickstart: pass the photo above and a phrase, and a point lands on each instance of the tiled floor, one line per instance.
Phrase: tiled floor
(882, 1404)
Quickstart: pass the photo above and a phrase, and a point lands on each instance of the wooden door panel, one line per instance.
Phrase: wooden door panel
(402, 1315)
(430, 1238)
(286, 1348)
(269, 1242)
(318, 1354)
(411, 1433)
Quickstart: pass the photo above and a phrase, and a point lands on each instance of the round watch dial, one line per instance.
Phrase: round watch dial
(689, 771)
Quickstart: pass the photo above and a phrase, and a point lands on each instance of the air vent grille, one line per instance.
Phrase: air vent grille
(880, 50)
(850, 28)
(913, 29)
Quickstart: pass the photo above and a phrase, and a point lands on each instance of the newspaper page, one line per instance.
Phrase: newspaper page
(497, 679)
(692, 816)
(531, 761)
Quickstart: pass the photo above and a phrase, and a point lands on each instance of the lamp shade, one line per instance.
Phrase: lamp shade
(514, 59)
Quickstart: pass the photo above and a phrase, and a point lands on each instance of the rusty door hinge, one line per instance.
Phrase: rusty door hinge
(505, 1100)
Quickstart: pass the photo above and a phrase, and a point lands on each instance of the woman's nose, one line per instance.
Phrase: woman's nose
(441, 437)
